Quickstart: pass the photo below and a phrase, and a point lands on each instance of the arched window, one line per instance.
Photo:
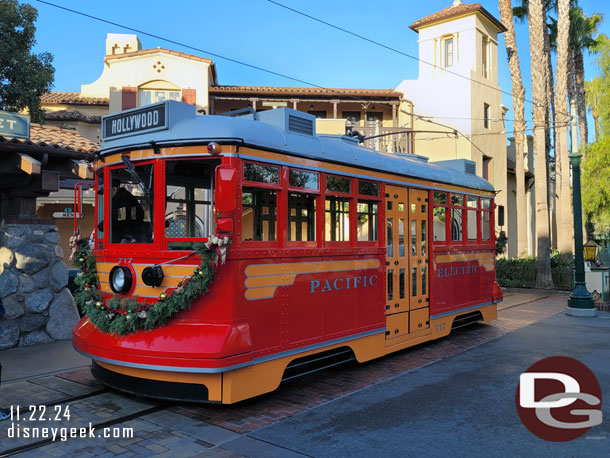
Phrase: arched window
(158, 91)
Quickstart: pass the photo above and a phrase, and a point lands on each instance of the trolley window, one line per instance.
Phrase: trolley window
(303, 179)
(367, 220)
(100, 208)
(259, 214)
(261, 173)
(338, 184)
(439, 217)
(337, 219)
(131, 205)
(301, 217)
(189, 191)
(368, 188)
(457, 202)
(472, 204)
(486, 219)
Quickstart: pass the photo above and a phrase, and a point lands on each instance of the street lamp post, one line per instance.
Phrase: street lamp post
(580, 302)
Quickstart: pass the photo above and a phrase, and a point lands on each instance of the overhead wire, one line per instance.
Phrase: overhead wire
(402, 53)
(262, 69)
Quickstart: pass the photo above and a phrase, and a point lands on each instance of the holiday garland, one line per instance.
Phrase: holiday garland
(124, 316)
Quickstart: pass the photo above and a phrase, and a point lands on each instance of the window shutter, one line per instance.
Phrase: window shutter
(189, 96)
(129, 97)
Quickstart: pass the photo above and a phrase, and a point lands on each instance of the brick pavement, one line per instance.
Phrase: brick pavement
(310, 391)
(217, 431)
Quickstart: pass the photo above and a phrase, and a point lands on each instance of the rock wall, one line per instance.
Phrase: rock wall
(33, 286)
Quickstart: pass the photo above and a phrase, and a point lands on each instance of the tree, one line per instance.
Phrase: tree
(506, 15)
(582, 29)
(565, 232)
(597, 97)
(596, 166)
(24, 76)
(595, 190)
(537, 25)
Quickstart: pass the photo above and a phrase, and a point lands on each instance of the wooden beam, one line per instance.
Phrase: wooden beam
(28, 164)
(81, 170)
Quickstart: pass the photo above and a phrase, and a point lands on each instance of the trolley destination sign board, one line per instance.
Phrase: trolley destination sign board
(13, 125)
(137, 121)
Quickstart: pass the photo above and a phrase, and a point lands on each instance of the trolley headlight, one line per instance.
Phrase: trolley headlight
(120, 279)
(152, 276)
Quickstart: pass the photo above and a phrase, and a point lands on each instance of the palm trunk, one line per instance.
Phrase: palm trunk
(579, 76)
(549, 117)
(506, 15)
(536, 35)
(566, 219)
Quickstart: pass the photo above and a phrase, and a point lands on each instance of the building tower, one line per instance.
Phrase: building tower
(458, 87)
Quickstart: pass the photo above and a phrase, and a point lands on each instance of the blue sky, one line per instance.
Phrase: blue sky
(263, 34)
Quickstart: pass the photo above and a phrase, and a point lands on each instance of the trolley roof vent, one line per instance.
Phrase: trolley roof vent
(288, 120)
(300, 125)
(463, 165)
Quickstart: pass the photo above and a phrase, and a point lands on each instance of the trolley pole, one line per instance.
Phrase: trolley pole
(580, 302)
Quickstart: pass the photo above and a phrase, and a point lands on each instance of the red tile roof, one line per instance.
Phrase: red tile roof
(299, 91)
(144, 52)
(452, 11)
(66, 115)
(55, 137)
(73, 98)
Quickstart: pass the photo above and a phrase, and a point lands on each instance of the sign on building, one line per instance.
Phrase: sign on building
(14, 125)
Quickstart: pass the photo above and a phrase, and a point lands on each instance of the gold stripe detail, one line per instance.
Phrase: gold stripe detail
(255, 270)
(263, 279)
(485, 260)
(260, 293)
(270, 280)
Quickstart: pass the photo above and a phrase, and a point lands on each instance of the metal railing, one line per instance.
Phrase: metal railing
(401, 142)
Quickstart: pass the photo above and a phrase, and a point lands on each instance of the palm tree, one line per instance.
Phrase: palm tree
(521, 12)
(506, 15)
(582, 29)
(537, 26)
(565, 228)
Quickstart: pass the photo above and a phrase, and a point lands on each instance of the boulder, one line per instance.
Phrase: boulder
(32, 322)
(8, 283)
(63, 315)
(38, 301)
(9, 333)
(31, 258)
(59, 253)
(16, 235)
(52, 237)
(13, 306)
(34, 338)
(41, 279)
(6, 257)
(26, 284)
(59, 275)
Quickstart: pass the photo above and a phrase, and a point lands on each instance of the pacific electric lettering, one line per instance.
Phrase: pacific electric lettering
(134, 122)
(445, 272)
(339, 284)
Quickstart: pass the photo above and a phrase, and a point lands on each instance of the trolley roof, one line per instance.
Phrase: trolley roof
(283, 129)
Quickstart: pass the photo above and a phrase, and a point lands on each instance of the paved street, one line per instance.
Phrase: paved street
(450, 397)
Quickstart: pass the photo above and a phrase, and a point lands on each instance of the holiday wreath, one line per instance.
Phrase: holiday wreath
(126, 315)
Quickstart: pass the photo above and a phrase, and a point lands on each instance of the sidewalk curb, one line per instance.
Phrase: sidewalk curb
(535, 291)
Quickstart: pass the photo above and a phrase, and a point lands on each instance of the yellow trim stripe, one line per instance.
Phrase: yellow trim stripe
(263, 279)
(486, 260)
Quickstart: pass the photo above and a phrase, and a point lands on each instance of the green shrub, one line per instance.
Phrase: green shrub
(516, 273)
(521, 272)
